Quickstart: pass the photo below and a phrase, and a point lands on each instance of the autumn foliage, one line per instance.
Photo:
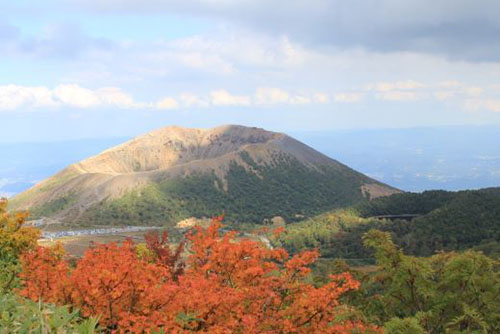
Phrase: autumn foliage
(223, 285)
(15, 238)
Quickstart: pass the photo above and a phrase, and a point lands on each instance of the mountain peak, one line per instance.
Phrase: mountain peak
(174, 145)
(238, 163)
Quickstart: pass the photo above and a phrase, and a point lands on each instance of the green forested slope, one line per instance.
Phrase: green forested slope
(447, 221)
(287, 188)
(406, 203)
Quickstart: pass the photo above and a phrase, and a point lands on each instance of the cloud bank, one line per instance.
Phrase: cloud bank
(305, 64)
(26, 98)
(457, 29)
(15, 97)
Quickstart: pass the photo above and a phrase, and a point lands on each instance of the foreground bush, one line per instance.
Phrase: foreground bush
(15, 238)
(227, 286)
(19, 315)
(445, 293)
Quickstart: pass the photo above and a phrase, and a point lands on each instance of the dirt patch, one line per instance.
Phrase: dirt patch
(374, 190)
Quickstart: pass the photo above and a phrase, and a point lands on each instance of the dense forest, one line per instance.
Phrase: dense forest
(443, 221)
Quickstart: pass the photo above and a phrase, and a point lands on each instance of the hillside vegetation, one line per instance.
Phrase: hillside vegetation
(287, 188)
(446, 221)
(445, 293)
(227, 284)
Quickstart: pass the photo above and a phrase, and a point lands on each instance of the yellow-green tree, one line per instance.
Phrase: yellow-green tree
(15, 238)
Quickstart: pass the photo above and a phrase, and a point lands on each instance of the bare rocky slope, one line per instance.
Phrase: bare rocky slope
(174, 172)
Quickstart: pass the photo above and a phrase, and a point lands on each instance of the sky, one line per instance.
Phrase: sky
(73, 69)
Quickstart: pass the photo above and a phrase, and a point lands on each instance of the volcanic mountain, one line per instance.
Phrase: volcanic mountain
(173, 173)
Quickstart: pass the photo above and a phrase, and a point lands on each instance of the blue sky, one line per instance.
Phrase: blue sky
(86, 68)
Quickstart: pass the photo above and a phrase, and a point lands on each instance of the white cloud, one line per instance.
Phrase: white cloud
(449, 84)
(13, 97)
(478, 104)
(443, 95)
(192, 100)
(241, 60)
(398, 85)
(348, 97)
(70, 95)
(299, 99)
(493, 105)
(223, 98)
(207, 62)
(320, 98)
(115, 96)
(398, 96)
(223, 52)
(384, 25)
(76, 96)
(189, 99)
(228, 59)
(167, 103)
(408, 90)
(473, 91)
(473, 104)
(274, 95)
(271, 95)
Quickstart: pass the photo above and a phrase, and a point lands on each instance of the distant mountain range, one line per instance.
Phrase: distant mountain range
(174, 173)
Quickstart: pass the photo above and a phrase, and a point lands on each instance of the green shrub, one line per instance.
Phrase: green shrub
(19, 316)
